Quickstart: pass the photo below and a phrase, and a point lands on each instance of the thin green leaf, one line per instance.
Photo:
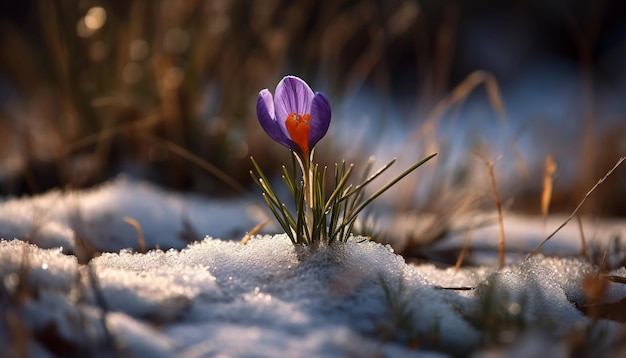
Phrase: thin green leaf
(280, 220)
(339, 186)
(362, 185)
(289, 180)
(389, 185)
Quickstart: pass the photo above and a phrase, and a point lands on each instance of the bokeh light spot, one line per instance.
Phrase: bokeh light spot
(95, 18)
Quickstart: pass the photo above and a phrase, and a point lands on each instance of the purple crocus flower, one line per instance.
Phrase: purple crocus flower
(295, 117)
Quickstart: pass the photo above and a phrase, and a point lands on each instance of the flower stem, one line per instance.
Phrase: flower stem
(307, 179)
(309, 187)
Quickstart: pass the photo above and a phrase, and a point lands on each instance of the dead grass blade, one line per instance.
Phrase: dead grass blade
(188, 233)
(496, 196)
(577, 208)
(595, 288)
(107, 133)
(614, 278)
(459, 288)
(185, 154)
(548, 181)
(140, 239)
(464, 250)
(463, 90)
(467, 239)
(254, 230)
(92, 277)
(583, 241)
(614, 311)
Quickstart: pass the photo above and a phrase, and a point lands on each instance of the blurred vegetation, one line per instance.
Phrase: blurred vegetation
(165, 90)
(93, 88)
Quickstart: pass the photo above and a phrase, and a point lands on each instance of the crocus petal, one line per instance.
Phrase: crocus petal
(320, 118)
(292, 95)
(265, 113)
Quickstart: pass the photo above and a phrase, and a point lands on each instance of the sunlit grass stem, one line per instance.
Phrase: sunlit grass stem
(536, 250)
(496, 196)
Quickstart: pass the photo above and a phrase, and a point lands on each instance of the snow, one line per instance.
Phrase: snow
(55, 219)
(218, 297)
(523, 233)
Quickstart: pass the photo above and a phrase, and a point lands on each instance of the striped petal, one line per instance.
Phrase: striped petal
(292, 95)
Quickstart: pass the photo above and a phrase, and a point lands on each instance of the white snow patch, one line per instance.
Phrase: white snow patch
(221, 298)
(60, 218)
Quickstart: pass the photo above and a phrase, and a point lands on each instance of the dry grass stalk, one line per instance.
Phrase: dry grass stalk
(458, 95)
(141, 242)
(187, 155)
(101, 302)
(496, 196)
(427, 132)
(536, 250)
(254, 230)
(615, 278)
(583, 241)
(595, 287)
(546, 193)
(466, 243)
(467, 239)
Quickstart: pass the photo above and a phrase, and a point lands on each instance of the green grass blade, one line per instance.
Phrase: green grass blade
(380, 191)
(362, 185)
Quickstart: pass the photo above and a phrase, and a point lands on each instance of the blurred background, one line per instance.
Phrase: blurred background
(166, 91)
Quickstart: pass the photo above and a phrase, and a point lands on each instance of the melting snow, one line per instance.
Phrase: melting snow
(219, 297)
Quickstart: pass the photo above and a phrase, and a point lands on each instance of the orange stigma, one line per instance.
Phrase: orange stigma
(298, 127)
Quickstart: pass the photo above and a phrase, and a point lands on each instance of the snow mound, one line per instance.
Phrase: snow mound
(221, 297)
(96, 218)
(215, 297)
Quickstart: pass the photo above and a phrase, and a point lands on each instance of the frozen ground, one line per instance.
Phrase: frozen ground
(206, 297)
